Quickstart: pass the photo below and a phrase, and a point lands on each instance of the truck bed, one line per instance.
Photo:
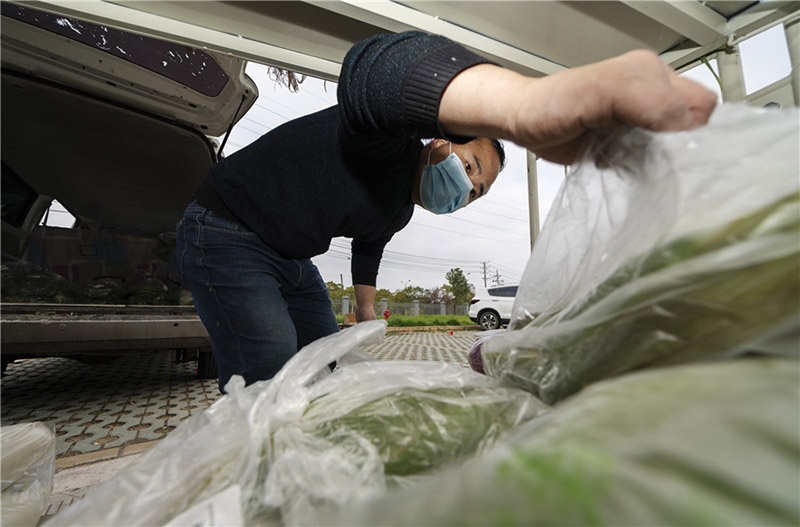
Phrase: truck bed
(40, 330)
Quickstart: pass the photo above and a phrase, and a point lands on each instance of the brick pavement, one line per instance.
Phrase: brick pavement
(109, 408)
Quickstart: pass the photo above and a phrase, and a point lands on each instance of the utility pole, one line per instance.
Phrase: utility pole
(496, 278)
(341, 280)
(484, 275)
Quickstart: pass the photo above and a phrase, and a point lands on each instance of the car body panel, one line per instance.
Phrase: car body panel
(196, 88)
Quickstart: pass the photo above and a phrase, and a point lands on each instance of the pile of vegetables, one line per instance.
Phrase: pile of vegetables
(24, 282)
(311, 441)
(677, 255)
(700, 444)
(702, 296)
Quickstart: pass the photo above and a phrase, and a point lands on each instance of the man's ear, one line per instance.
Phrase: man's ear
(436, 143)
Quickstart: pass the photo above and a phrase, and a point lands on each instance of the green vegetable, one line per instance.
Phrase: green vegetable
(698, 297)
(702, 444)
(415, 431)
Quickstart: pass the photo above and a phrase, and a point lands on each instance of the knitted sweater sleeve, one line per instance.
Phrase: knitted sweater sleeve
(390, 85)
(389, 91)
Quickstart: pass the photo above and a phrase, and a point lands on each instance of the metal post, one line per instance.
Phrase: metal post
(792, 30)
(415, 306)
(730, 75)
(345, 305)
(442, 309)
(384, 304)
(533, 197)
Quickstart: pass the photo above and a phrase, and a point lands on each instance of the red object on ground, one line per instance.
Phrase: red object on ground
(451, 332)
(386, 314)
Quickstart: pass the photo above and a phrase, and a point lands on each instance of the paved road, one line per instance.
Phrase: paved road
(139, 399)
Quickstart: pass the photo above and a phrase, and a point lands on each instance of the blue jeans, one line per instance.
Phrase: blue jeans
(258, 307)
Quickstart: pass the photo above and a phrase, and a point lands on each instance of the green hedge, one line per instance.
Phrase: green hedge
(423, 320)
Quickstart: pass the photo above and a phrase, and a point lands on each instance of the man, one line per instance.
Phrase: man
(358, 168)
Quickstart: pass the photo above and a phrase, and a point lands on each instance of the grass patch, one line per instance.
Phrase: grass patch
(423, 320)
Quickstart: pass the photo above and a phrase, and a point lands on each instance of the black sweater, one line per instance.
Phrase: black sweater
(347, 170)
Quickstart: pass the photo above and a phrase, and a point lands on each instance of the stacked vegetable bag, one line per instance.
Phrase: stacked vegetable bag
(678, 247)
(658, 315)
(311, 441)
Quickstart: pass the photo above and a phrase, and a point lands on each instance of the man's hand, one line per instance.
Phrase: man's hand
(551, 115)
(365, 297)
(364, 313)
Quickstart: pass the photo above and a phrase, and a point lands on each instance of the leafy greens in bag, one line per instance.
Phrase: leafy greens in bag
(700, 444)
(690, 258)
(310, 440)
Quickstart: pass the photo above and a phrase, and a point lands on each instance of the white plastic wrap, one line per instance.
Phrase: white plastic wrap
(691, 445)
(662, 248)
(27, 465)
(309, 440)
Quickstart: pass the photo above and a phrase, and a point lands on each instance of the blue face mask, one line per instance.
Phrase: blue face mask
(444, 187)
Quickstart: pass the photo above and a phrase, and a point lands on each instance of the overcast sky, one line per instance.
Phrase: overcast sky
(490, 234)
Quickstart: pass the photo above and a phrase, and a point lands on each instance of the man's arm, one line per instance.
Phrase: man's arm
(365, 297)
(550, 115)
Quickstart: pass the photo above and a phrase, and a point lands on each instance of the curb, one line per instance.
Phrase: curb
(406, 329)
(65, 462)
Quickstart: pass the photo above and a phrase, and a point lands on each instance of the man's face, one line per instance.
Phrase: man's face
(480, 160)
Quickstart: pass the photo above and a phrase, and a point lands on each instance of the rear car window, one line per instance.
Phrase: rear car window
(508, 291)
(17, 197)
(191, 67)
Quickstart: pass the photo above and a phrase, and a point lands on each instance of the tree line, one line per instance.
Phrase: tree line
(456, 291)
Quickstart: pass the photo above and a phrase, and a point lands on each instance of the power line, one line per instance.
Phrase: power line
(471, 235)
(473, 208)
(487, 200)
(445, 261)
(273, 101)
(490, 227)
(273, 111)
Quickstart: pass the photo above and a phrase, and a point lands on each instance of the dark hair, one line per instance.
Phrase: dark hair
(501, 152)
(496, 144)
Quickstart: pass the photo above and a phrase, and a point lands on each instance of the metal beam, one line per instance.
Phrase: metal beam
(731, 75)
(693, 20)
(742, 26)
(760, 17)
(189, 34)
(533, 197)
(394, 16)
(792, 30)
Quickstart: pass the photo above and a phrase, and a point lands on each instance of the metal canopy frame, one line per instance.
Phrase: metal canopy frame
(532, 37)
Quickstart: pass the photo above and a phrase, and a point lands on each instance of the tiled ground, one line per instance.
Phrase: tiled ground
(437, 346)
(142, 398)
(131, 400)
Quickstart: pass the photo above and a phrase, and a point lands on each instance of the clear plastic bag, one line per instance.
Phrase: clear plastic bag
(700, 444)
(310, 440)
(662, 248)
(27, 464)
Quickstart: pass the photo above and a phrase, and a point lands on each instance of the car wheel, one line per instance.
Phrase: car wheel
(489, 320)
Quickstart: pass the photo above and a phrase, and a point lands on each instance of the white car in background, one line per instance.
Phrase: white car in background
(491, 308)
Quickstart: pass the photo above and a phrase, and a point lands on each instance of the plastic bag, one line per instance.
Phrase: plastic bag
(701, 444)
(682, 246)
(474, 357)
(310, 440)
(27, 465)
